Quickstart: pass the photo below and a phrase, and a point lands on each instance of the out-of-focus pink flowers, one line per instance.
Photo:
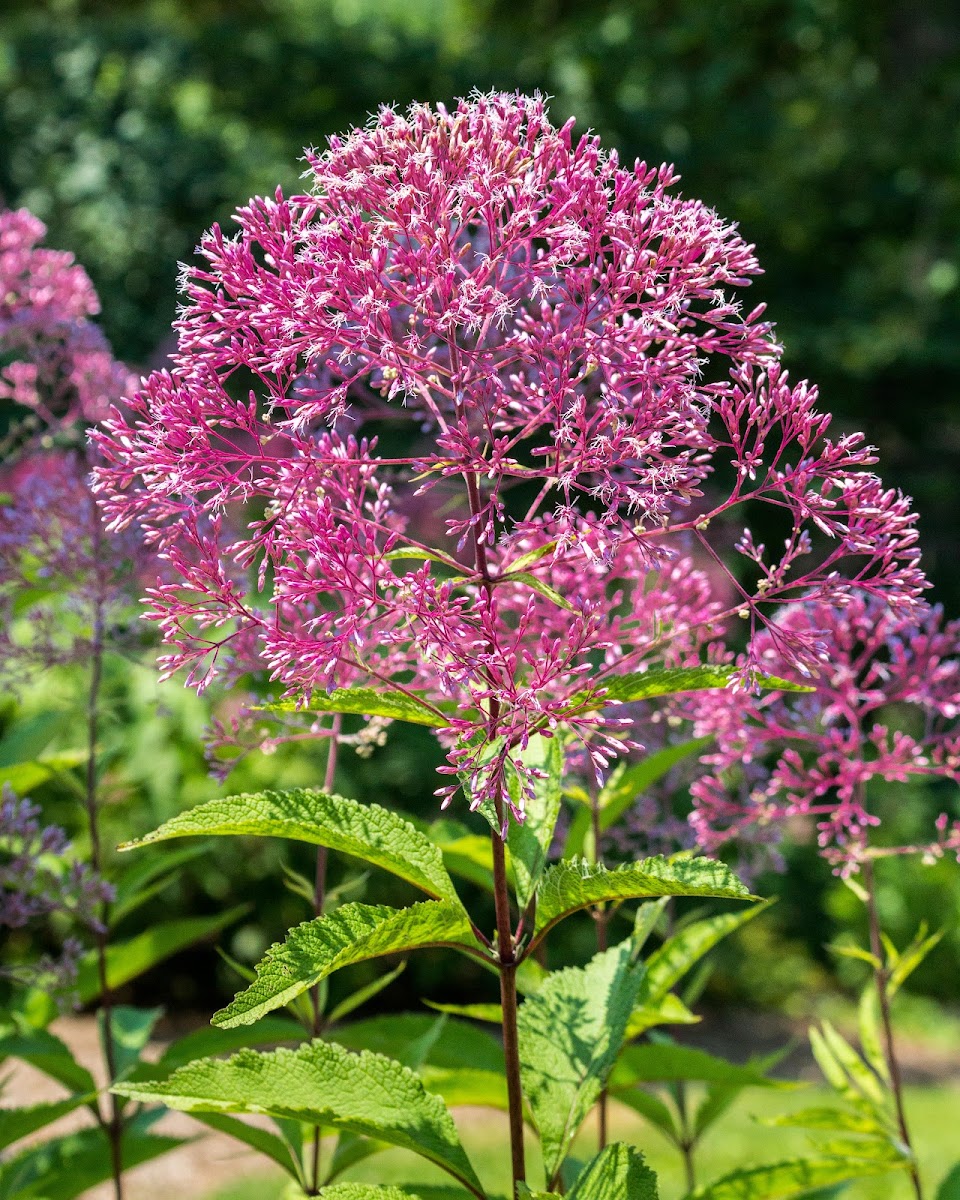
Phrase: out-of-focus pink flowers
(63, 580)
(886, 705)
(559, 335)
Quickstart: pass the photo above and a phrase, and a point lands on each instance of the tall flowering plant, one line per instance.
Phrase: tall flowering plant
(442, 442)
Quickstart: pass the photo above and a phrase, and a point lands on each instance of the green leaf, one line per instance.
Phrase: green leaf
(147, 876)
(666, 1062)
(65, 1167)
(645, 685)
(23, 777)
(352, 934)
(532, 556)
(457, 1044)
(474, 1012)
(470, 857)
(130, 1030)
(570, 1033)
(542, 588)
(466, 1085)
(365, 1191)
(826, 1117)
(261, 1140)
(949, 1188)
(624, 785)
(321, 1083)
(569, 886)
(352, 1002)
(794, 1177)
(863, 1079)
(46, 1052)
(671, 1010)
(530, 841)
(871, 1035)
(369, 702)
(365, 831)
(911, 958)
(204, 1043)
(616, 1173)
(128, 960)
(671, 961)
(20, 1122)
(653, 1109)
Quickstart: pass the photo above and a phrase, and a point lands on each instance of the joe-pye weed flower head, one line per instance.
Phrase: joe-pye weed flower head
(560, 336)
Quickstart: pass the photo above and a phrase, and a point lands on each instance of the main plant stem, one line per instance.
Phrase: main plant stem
(319, 898)
(113, 1123)
(882, 977)
(601, 918)
(508, 1001)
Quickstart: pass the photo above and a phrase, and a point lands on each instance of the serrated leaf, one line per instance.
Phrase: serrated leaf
(365, 1191)
(666, 1062)
(130, 1030)
(128, 960)
(616, 1173)
(365, 831)
(669, 681)
(670, 962)
(205, 1043)
(780, 1181)
(46, 1052)
(569, 886)
(530, 841)
(570, 1033)
(352, 1002)
(368, 702)
(352, 934)
(261, 1140)
(18, 1123)
(321, 1083)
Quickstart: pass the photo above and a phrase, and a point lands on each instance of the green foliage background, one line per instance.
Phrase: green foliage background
(829, 129)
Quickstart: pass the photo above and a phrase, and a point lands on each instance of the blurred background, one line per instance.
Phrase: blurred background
(829, 129)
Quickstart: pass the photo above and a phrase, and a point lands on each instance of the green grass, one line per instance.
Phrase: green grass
(933, 1113)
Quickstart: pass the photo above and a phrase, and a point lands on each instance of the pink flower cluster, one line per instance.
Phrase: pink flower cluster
(54, 361)
(886, 705)
(57, 374)
(479, 325)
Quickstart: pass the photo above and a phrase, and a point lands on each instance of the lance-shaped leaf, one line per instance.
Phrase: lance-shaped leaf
(321, 1083)
(369, 702)
(571, 885)
(668, 964)
(128, 960)
(466, 1085)
(365, 831)
(795, 1177)
(530, 841)
(261, 1140)
(570, 1033)
(668, 681)
(20, 1122)
(664, 1062)
(616, 1173)
(351, 934)
(45, 1051)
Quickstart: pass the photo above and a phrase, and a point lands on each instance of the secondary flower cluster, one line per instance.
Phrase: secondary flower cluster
(447, 422)
(886, 705)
